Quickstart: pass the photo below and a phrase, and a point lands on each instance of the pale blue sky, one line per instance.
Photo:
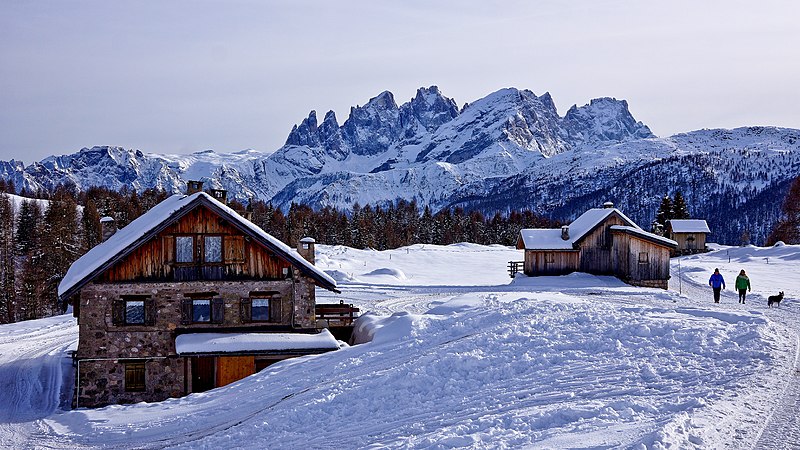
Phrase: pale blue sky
(181, 76)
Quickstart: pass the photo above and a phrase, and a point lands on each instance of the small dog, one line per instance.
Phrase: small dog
(776, 299)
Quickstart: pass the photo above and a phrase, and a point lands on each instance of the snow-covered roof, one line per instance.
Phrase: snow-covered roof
(197, 343)
(636, 231)
(550, 238)
(689, 226)
(544, 239)
(157, 218)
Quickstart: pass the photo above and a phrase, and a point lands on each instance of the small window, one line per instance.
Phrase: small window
(201, 310)
(644, 257)
(134, 312)
(134, 377)
(549, 258)
(213, 249)
(260, 310)
(184, 249)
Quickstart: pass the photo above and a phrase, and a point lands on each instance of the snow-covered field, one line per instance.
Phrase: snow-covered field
(461, 356)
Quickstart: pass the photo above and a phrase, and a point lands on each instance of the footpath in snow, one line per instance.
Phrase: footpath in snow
(458, 355)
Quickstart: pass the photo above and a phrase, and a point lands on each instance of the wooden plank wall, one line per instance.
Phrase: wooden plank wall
(596, 248)
(154, 260)
(626, 251)
(563, 262)
(681, 239)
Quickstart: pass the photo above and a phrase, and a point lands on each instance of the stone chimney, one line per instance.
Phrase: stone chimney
(220, 194)
(193, 186)
(107, 227)
(306, 249)
(608, 205)
(565, 232)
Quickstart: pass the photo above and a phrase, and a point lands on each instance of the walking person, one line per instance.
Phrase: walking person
(717, 284)
(742, 285)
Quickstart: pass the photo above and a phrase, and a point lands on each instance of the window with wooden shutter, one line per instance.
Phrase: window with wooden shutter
(217, 310)
(234, 249)
(186, 311)
(150, 312)
(135, 377)
(244, 310)
(275, 308)
(118, 312)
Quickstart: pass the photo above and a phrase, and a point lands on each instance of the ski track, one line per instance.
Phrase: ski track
(31, 375)
(37, 353)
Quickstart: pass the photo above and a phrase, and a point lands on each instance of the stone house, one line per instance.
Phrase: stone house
(188, 297)
(601, 241)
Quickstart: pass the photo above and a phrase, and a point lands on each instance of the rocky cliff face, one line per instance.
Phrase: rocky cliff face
(510, 149)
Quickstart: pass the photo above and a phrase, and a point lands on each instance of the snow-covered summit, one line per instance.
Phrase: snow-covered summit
(508, 150)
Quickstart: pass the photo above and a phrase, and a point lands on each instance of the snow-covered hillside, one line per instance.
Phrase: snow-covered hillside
(508, 150)
(462, 356)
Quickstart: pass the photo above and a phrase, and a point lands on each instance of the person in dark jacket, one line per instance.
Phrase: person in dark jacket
(717, 283)
(742, 285)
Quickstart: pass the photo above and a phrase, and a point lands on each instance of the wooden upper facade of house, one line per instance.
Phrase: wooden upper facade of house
(601, 241)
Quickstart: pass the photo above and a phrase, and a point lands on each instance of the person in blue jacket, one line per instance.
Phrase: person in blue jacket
(717, 283)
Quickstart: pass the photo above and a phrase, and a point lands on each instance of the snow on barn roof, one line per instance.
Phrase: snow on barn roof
(636, 231)
(159, 217)
(200, 343)
(689, 226)
(550, 238)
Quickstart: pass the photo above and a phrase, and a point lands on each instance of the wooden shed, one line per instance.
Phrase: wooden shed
(601, 241)
(690, 234)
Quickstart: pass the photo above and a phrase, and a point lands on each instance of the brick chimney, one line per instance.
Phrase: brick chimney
(193, 186)
(107, 227)
(306, 249)
(565, 232)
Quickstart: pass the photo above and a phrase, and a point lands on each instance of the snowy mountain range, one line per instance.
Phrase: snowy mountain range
(508, 150)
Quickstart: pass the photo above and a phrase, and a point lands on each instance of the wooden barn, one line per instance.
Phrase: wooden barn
(690, 234)
(188, 297)
(602, 241)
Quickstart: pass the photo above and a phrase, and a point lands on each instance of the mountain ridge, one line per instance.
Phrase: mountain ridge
(508, 150)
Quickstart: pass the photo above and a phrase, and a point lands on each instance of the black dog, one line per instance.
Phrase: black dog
(775, 299)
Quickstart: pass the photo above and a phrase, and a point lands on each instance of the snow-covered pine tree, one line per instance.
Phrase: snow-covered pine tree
(90, 226)
(679, 208)
(61, 247)
(664, 213)
(7, 266)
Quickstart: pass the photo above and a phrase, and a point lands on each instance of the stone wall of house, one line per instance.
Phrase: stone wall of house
(661, 284)
(102, 382)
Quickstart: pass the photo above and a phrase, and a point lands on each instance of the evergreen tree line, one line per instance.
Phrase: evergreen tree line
(40, 240)
(788, 227)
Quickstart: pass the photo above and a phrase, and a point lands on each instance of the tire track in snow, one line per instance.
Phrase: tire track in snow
(31, 374)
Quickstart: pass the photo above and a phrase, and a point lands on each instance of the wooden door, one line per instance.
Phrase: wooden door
(203, 376)
(233, 368)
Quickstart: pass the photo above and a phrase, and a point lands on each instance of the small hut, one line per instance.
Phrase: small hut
(690, 234)
(601, 241)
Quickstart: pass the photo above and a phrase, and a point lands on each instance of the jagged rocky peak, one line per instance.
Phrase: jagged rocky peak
(372, 128)
(604, 120)
(306, 133)
(429, 108)
(330, 137)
